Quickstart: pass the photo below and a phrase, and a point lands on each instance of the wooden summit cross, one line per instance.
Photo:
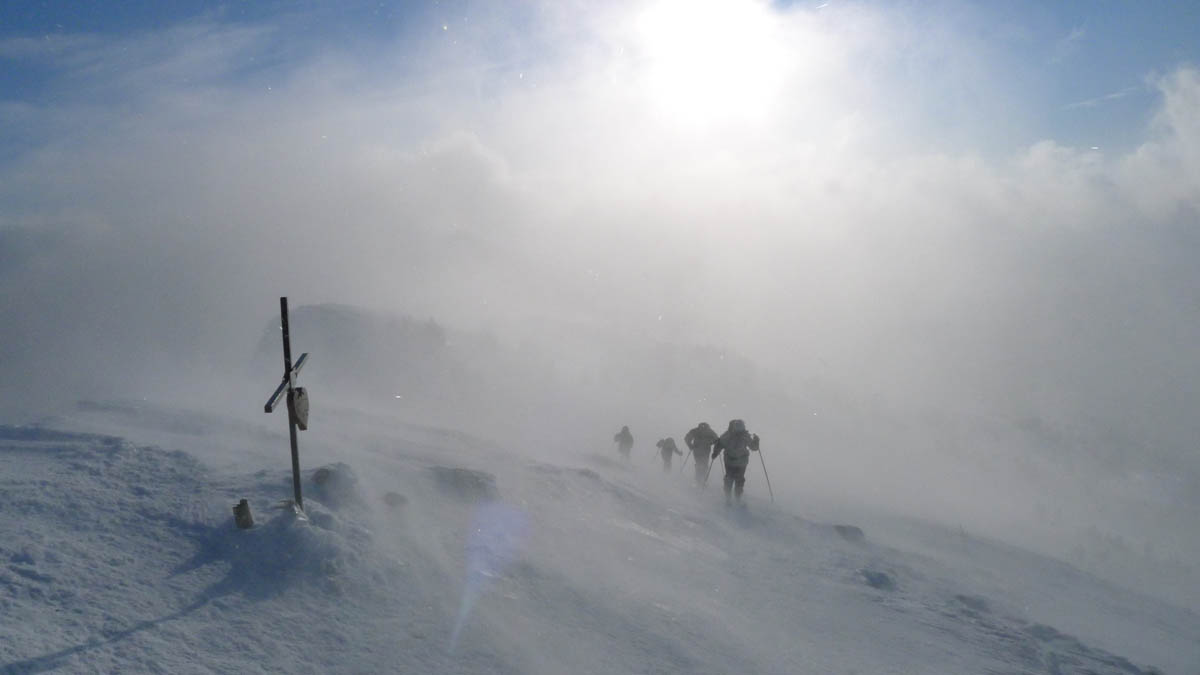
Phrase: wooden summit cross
(297, 399)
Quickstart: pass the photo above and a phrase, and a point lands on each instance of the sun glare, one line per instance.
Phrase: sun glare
(708, 61)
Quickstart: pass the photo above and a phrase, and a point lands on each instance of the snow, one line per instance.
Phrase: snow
(118, 553)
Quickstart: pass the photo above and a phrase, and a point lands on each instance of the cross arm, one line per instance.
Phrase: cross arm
(287, 377)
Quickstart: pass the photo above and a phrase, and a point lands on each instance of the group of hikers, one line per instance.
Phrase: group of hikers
(705, 444)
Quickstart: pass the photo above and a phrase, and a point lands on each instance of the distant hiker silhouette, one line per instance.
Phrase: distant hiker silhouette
(624, 441)
(668, 450)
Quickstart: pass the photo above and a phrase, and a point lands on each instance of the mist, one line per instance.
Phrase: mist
(870, 250)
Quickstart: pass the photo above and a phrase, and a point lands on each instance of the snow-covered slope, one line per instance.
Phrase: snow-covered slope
(426, 551)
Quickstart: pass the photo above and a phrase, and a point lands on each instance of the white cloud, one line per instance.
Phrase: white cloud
(1069, 45)
(1101, 100)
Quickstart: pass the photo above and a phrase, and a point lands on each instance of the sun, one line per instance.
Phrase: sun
(711, 61)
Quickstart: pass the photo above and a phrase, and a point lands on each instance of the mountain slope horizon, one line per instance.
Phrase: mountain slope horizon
(429, 551)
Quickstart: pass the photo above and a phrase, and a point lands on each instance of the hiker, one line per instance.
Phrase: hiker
(700, 440)
(737, 444)
(624, 441)
(668, 450)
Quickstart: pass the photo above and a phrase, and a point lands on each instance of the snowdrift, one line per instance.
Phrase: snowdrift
(455, 557)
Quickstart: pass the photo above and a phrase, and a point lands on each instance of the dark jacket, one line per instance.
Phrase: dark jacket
(700, 439)
(737, 444)
(668, 447)
(624, 438)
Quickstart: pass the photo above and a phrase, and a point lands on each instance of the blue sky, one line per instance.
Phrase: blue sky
(1087, 63)
(1073, 71)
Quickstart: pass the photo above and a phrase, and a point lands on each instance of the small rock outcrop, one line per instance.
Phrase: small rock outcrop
(880, 580)
(849, 532)
(467, 485)
(335, 485)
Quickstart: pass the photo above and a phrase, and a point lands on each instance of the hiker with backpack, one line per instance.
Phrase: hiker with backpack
(668, 450)
(700, 441)
(624, 441)
(737, 443)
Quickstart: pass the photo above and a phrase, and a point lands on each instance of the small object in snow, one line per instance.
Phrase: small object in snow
(849, 532)
(878, 580)
(335, 485)
(242, 516)
(467, 485)
(974, 603)
(394, 499)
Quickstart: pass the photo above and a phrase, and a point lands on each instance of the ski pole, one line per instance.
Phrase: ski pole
(711, 461)
(767, 475)
(684, 462)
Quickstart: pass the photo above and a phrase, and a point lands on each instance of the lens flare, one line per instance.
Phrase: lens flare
(498, 532)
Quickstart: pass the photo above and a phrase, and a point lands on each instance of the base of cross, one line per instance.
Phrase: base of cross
(290, 505)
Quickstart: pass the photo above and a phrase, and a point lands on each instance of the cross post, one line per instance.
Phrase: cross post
(297, 399)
